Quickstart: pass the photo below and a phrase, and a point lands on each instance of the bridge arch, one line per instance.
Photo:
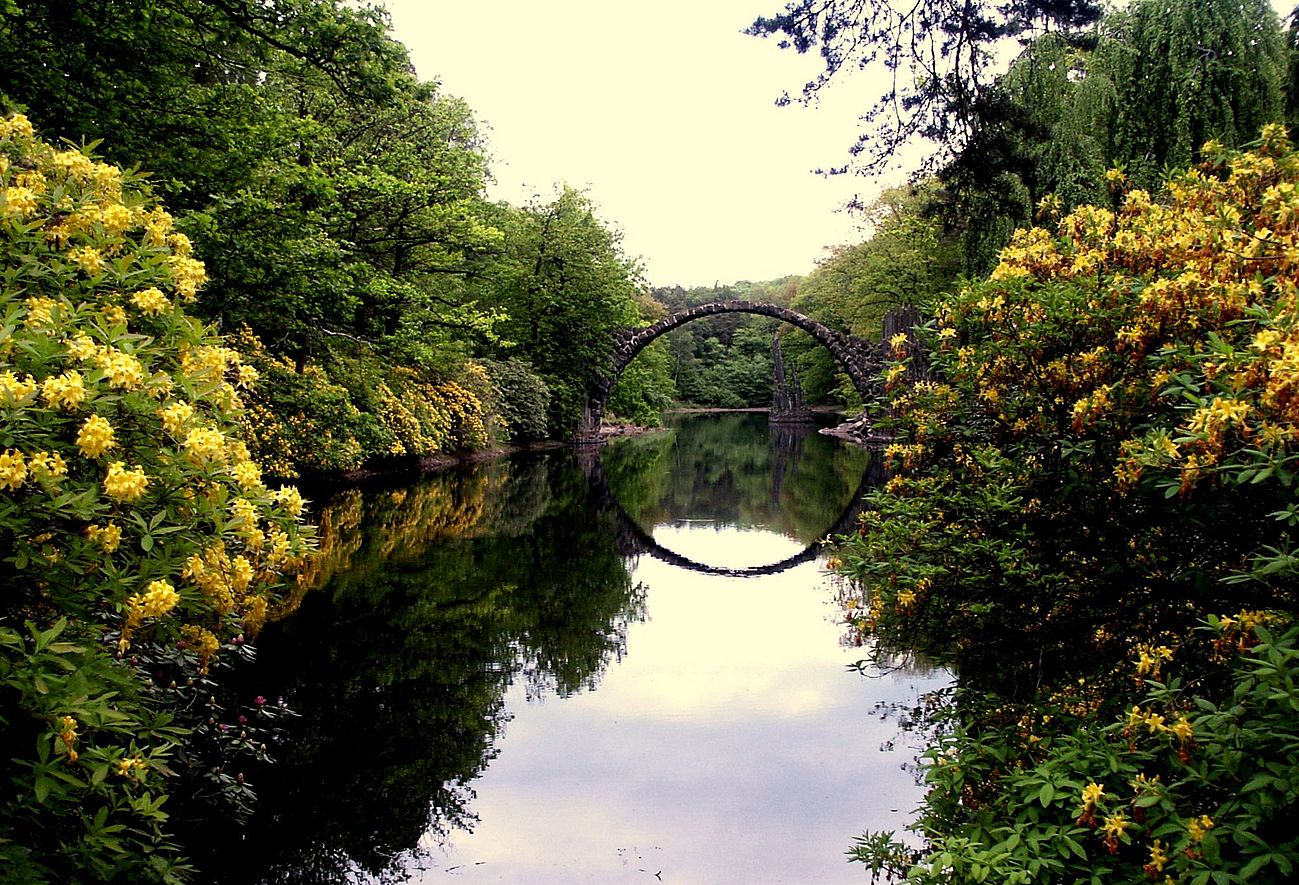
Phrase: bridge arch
(633, 540)
(861, 360)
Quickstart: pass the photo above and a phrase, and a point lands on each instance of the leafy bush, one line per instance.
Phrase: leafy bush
(133, 523)
(522, 398)
(1115, 393)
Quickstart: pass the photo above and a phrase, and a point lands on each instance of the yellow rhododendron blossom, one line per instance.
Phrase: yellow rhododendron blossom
(1092, 794)
(158, 599)
(47, 466)
(1198, 826)
(16, 391)
(241, 573)
(81, 347)
(65, 391)
(204, 445)
(40, 312)
(88, 259)
(96, 436)
(122, 370)
(247, 474)
(1183, 729)
(74, 163)
(180, 244)
(243, 515)
(125, 484)
(290, 499)
(108, 537)
(151, 301)
(113, 315)
(176, 416)
(189, 274)
(13, 469)
(1115, 825)
(19, 202)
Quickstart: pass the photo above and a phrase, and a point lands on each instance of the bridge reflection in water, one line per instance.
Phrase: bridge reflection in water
(633, 540)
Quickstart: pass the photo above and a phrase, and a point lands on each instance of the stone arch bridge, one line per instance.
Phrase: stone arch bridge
(861, 360)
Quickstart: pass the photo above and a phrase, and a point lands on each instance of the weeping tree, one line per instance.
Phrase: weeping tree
(941, 55)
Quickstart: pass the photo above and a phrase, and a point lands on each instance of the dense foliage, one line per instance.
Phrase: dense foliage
(1115, 395)
(339, 205)
(139, 538)
(907, 259)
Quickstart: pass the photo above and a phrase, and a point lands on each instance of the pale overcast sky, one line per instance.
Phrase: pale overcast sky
(664, 112)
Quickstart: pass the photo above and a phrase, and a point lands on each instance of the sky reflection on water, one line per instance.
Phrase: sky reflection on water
(729, 745)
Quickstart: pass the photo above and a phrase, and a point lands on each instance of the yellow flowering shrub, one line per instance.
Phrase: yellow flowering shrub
(1110, 465)
(329, 419)
(120, 462)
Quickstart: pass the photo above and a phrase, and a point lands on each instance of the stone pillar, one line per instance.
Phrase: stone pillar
(787, 406)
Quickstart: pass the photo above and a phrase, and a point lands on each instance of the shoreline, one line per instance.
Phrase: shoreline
(414, 468)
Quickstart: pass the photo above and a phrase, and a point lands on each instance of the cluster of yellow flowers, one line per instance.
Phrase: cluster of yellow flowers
(1150, 659)
(1156, 723)
(1203, 284)
(108, 390)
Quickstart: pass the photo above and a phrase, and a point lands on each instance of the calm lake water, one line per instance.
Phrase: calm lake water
(612, 667)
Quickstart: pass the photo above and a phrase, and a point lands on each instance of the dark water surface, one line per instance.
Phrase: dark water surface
(620, 667)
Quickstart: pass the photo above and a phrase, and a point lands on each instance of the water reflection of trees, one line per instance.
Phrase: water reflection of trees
(432, 600)
(740, 471)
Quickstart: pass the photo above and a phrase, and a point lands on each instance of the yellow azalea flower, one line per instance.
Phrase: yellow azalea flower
(1092, 794)
(241, 573)
(74, 163)
(88, 259)
(247, 474)
(1198, 826)
(108, 537)
(158, 599)
(96, 437)
(290, 499)
(180, 244)
(176, 416)
(243, 515)
(1158, 859)
(1183, 729)
(81, 347)
(254, 612)
(18, 202)
(1114, 825)
(151, 301)
(188, 274)
(66, 391)
(16, 125)
(122, 370)
(13, 469)
(115, 218)
(204, 445)
(47, 465)
(14, 390)
(40, 312)
(125, 484)
(113, 315)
